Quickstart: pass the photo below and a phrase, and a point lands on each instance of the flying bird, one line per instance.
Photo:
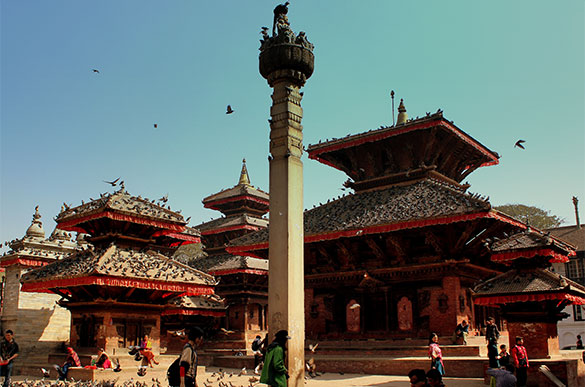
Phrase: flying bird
(155, 126)
(45, 373)
(95, 71)
(354, 306)
(112, 183)
(229, 109)
(519, 144)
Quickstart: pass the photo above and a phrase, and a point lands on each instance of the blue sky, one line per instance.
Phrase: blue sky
(502, 70)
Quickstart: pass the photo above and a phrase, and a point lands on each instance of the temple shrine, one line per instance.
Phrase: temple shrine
(243, 280)
(399, 256)
(530, 296)
(119, 287)
(41, 324)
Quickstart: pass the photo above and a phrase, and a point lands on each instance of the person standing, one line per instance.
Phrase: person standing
(188, 362)
(520, 361)
(8, 352)
(492, 335)
(435, 354)
(579, 342)
(274, 372)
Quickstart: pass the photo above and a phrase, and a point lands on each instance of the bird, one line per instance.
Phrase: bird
(313, 348)
(164, 199)
(112, 183)
(354, 306)
(155, 126)
(519, 144)
(226, 331)
(95, 71)
(45, 373)
(229, 109)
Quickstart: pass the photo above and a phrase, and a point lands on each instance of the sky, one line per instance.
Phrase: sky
(501, 70)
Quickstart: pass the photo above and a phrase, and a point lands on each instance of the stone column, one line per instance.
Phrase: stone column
(286, 61)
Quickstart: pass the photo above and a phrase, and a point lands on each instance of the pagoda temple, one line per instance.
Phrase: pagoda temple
(243, 280)
(41, 325)
(399, 256)
(531, 297)
(118, 287)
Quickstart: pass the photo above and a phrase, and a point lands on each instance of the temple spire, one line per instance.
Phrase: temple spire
(402, 116)
(244, 178)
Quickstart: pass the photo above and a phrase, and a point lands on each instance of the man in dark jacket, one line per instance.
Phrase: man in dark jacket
(491, 337)
(8, 352)
(274, 372)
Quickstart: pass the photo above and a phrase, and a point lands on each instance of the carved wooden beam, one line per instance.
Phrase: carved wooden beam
(378, 252)
(464, 236)
(344, 254)
(395, 244)
(432, 239)
(62, 294)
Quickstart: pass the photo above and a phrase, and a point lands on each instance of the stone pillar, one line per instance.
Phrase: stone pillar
(286, 61)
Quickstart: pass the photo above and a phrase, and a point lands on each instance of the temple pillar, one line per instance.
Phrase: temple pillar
(286, 62)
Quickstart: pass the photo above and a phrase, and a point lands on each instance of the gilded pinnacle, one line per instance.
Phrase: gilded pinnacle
(244, 178)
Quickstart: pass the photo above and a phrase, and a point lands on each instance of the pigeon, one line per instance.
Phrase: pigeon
(354, 306)
(313, 348)
(229, 109)
(226, 332)
(45, 373)
(155, 126)
(112, 183)
(95, 71)
(519, 144)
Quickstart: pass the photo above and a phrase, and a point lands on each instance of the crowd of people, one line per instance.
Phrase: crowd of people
(506, 369)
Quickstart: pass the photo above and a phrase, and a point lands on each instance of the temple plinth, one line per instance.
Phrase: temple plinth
(286, 61)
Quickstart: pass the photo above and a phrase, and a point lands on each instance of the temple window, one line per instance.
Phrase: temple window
(579, 312)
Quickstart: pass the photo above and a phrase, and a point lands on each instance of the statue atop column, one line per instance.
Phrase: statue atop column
(285, 49)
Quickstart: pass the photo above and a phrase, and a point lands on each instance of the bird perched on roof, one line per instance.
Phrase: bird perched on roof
(519, 144)
(112, 183)
(229, 109)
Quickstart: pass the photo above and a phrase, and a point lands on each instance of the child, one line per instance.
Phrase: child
(504, 356)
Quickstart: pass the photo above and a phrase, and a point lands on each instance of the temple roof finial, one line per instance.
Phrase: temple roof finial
(244, 178)
(36, 227)
(402, 116)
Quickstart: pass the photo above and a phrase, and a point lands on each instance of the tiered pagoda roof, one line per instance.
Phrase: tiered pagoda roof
(407, 176)
(532, 285)
(228, 264)
(122, 216)
(424, 203)
(425, 146)
(243, 206)
(119, 267)
(205, 305)
(530, 244)
(127, 262)
(242, 198)
(33, 249)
